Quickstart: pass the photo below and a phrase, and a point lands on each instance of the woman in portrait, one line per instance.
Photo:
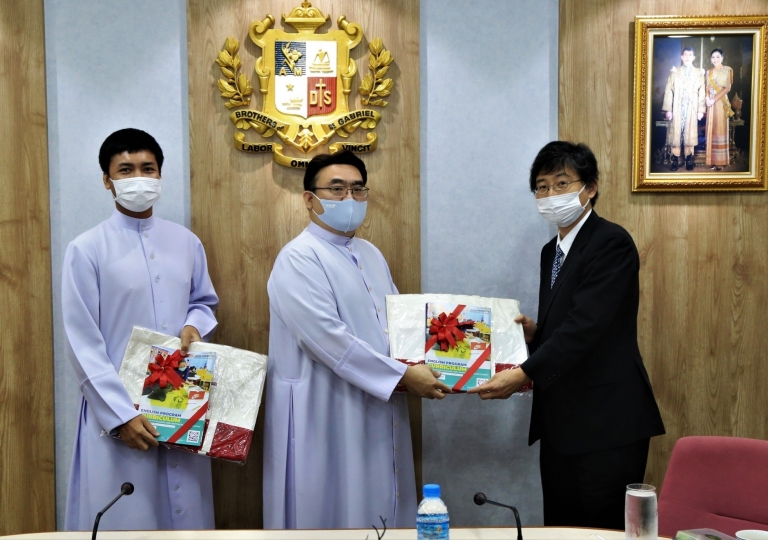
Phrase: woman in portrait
(718, 79)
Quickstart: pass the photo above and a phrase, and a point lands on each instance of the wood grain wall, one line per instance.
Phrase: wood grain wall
(245, 208)
(27, 501)
(704, 256)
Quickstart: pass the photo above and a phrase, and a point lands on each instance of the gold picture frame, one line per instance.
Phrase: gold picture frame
(729, 140)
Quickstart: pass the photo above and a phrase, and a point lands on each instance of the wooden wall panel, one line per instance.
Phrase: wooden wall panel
(245, 207)
(27, 501)
(703, 255)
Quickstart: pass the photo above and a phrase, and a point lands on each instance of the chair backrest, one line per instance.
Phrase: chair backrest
(715, 482)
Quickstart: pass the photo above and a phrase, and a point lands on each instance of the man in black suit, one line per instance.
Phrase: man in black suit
(593, 406)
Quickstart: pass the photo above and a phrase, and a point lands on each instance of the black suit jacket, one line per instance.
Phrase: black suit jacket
(591, 389)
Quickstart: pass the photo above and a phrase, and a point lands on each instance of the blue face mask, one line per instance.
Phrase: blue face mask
(344, 216)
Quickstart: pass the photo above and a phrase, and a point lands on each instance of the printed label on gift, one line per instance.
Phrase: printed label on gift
(458, 344)
(176, 393)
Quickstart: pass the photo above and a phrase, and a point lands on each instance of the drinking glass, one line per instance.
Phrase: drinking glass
(641, 518)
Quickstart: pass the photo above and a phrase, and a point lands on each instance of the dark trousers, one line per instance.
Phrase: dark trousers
(587, 490)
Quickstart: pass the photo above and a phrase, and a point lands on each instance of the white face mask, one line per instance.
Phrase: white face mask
(562, 210)
(345, 215)
(136, 194)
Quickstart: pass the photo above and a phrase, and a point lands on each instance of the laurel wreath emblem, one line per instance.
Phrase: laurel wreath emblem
(236, 86)
(374, 85)
(310, 133)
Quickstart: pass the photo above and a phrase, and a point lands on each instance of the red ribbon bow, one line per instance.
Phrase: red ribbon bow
(446, 329)
(164, 371)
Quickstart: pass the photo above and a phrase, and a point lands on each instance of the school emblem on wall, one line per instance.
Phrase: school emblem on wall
(305, 80)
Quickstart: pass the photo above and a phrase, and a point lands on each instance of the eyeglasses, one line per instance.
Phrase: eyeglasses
(359, 193)
(557, 187)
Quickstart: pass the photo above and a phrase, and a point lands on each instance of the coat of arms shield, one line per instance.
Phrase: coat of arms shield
(305, 79)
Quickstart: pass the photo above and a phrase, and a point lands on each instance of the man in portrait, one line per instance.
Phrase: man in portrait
(683, 107)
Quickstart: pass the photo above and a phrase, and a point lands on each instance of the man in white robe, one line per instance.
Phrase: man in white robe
(337, 442)
(132, 270)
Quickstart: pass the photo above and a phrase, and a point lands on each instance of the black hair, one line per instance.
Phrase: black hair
(322, 161)
(558, 156)
(688, 49)
(717, 50)
(128, 140)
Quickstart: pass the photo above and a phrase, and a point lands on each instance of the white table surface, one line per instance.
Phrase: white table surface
(488, 533)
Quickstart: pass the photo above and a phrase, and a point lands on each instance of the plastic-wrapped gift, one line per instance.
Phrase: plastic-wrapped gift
(235, 391)
(466, 338)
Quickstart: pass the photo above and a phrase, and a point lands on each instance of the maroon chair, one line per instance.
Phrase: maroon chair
(718, 483)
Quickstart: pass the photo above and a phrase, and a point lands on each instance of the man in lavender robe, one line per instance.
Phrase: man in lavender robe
(337, 441)
(132, 270)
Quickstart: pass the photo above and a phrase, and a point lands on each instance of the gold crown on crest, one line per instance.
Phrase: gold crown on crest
(306, 18)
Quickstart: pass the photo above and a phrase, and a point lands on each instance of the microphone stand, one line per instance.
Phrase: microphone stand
(481, 499)
(125, 489)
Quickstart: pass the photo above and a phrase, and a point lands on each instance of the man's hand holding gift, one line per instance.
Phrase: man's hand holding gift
(423, 381)
(529, 327)
(502, 385)
(505, 383)
(139, 433)
(189, 334)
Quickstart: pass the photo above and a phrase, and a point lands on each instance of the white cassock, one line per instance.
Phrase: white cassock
(129, 272)
(337, 442)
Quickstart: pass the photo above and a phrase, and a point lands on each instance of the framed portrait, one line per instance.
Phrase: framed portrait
(700, 104)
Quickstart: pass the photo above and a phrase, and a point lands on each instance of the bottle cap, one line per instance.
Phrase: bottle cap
(431, 491)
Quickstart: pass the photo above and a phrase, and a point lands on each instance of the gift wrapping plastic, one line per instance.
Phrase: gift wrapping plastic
(235, 395)
(406, 327)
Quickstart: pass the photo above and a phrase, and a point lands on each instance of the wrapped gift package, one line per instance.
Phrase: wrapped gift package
(176, 394)
(235, 392)
(422, 327)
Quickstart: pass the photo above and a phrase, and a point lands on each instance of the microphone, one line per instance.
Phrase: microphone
(125, 489)
(481, 499)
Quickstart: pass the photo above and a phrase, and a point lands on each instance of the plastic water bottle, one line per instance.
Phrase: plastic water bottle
(432, 516)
